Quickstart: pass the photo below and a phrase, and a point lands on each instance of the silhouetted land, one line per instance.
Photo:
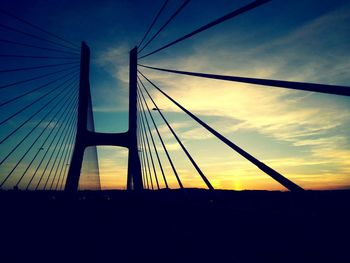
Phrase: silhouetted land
(175, 226)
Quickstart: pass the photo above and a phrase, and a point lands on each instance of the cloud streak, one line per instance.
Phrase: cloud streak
(301, 123)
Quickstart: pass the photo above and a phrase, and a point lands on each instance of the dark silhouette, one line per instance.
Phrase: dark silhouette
(85, 138)
(181, 225)
(175, 226)
(314, 87)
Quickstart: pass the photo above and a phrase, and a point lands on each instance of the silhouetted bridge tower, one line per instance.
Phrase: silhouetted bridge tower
(48, 161)
(85, 138)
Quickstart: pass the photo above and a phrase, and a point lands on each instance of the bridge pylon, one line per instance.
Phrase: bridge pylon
(85, 138)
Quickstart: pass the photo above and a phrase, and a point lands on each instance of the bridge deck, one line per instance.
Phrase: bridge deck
(175, 226)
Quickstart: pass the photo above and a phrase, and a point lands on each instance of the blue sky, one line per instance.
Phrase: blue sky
(302, 135)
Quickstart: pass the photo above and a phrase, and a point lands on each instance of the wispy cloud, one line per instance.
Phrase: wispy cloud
(113, 167)
(313, 126)
(116, 61)
(112, 94)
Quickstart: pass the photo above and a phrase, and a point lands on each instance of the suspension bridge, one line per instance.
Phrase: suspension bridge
(50, 104)
(47, 129)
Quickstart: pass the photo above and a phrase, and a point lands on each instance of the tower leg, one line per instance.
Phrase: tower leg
(72, 182)
(134, 180)
(80, 140)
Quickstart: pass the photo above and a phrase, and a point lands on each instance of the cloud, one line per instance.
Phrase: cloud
(116, 61)
(304, 120)
(171, 147)
(308, 124)
(196, 134)
(111, 93)
(110, 99)
(113, 167)
(265, 111)
(281, 113)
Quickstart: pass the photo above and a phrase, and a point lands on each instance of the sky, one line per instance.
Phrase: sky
(302, 135)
